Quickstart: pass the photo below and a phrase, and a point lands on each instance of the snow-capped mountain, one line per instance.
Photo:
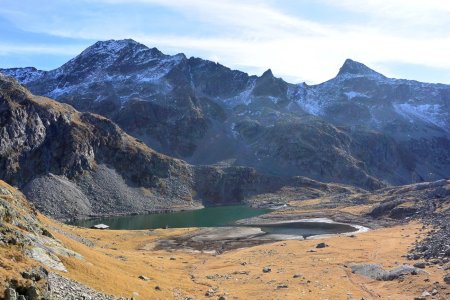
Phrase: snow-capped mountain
(359, 96)
(359, 127)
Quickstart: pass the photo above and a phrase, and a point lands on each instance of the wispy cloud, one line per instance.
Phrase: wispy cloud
(258, 34)
(8, 49)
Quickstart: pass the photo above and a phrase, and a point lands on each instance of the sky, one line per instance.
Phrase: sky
(299, 40)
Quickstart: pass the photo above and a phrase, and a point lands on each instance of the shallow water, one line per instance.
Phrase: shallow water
(307, 229)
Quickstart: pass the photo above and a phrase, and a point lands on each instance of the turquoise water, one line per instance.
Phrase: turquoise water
(205, 217)
(215, 217)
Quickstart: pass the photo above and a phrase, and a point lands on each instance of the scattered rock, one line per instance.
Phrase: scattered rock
(426, 294)
(210, 293)
(157, 288)
(33, 293)
(10, 294)
(145, 278)
(266, 270)
(420, 265)
(63, 288)
(297, 276)
(282, 286)
(447, 279)
(321, 245)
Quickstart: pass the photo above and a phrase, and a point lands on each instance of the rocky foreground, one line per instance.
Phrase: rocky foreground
(404, 256)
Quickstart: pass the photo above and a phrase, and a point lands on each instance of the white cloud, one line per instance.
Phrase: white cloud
(8, 49)
(256, 35)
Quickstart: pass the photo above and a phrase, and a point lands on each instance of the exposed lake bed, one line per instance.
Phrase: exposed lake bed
(225, 228)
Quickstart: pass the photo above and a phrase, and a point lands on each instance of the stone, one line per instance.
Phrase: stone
(157, 288)
(297, 276)
(210, 293)
(426, 294)
(321, 245)
(266, 270)
(282, 286)
(33, 293)
(420, 265)
(26, 275)
(10, 294)
(145, 278)
(447, 279)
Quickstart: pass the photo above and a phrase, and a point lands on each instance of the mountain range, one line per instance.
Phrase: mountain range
(359, 128)
(74, 164)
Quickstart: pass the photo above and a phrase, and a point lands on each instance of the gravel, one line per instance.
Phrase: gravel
(66, 289)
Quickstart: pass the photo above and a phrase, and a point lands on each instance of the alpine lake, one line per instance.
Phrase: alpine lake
(222, 216)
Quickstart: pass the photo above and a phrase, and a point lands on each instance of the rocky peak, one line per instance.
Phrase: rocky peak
(23, 75)
(268, 73)
(104, 54)
(351, 67)
(115, 46)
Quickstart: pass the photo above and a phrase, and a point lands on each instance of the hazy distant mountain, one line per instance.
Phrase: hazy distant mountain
(359, 128)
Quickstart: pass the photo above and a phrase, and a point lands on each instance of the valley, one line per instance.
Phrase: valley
(217, 184)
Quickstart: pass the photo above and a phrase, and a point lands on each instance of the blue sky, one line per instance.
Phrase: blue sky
(300, 40)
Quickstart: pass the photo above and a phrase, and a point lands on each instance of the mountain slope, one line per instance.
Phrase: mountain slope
(205, 113)
(75, 165)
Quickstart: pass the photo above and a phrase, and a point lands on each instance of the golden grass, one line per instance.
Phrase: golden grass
(119, 257)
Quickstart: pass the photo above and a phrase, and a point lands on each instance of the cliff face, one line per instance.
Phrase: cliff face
(50, 149)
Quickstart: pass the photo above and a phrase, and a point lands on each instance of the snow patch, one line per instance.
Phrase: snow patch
(242, 98)
(352, 94)
(431, 113)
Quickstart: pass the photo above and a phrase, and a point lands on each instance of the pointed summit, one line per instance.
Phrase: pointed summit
(356, 68)
(267, 73)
